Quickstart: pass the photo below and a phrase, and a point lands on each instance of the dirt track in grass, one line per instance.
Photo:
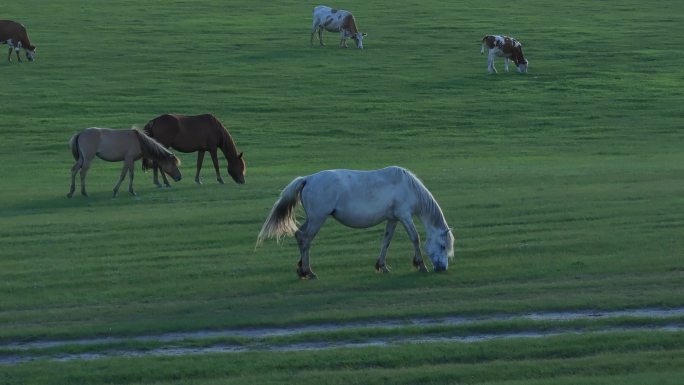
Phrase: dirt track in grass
(19, 352)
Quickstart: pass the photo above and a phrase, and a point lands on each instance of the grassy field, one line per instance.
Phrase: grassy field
(564, 186)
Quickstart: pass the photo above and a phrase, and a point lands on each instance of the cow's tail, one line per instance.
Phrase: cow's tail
(282, 221)
(73, 144)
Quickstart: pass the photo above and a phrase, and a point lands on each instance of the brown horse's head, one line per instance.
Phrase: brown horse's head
(237, 169)
(170, 166)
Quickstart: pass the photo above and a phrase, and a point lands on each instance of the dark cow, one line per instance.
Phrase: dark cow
(334, 20)
(14, 35)
(506, 47)
(196, 133)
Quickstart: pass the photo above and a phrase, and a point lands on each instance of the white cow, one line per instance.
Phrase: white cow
(506, 47)
(334, 20)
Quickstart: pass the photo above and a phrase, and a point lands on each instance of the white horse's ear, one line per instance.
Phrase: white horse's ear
(448, 230)
(364, 34)
(240, 156)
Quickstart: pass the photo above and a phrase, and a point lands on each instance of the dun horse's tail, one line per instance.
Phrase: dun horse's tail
(281, 221)
(73, 144)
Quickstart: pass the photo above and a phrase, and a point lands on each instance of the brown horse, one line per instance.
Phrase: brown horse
(197, 133)
(115, 146)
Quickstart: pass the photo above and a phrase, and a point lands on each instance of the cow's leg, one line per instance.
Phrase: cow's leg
(381, 265)
(490, 62)
(319, 29)
(200, 159)
(214, 159)
(506, 64)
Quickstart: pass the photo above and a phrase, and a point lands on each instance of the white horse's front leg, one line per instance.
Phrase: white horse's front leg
(415, 239)
(380, 265)
(506, 64)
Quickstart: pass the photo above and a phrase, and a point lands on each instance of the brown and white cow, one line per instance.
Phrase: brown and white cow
(504, 46)
(334, 20)
(14, 34)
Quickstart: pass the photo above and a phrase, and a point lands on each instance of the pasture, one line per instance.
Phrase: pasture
(564, 186)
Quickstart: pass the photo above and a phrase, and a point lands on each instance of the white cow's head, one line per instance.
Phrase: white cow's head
(358, 38)
(30, 53)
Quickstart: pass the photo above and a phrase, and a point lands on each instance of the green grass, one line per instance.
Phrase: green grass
(564, 186)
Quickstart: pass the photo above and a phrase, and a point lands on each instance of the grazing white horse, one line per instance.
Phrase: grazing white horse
(362, 199)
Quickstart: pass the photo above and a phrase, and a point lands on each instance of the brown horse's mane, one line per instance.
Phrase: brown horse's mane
(226, 141)
(151, 149)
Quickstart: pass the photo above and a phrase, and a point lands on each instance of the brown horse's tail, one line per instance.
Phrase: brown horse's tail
(282, 221)
(73, 144)
(148, 128)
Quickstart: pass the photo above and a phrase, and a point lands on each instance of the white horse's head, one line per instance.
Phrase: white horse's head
(440, 247)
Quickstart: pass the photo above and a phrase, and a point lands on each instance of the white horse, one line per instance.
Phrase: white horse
(362, 199)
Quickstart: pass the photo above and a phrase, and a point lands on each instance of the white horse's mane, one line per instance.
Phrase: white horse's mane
(428, 204)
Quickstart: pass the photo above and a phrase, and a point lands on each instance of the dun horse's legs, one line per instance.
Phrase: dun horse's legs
(415, 239)
(155, 170)
(130, 183)
(380, 265)
(124, 170)
(200, 159)
(214, 159)
(74, 171)
(304, 236)
(166, 181)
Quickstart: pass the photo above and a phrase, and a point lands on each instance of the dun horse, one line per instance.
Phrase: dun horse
(115, 146)
(197, 133)
(362, 199)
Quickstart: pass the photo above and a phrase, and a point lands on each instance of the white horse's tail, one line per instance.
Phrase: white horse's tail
(281, 221)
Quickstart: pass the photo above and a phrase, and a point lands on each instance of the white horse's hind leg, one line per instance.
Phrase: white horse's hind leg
(305, 235)
(381, 265)
(415, 239)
